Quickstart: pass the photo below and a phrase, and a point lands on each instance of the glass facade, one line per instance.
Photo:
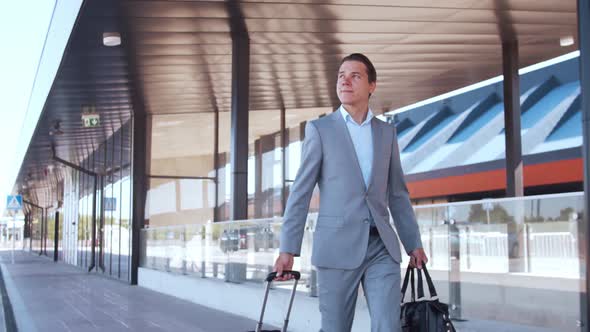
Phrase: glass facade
(187, 195)
(179, 201)
(265, 178)
(36, 217)
(186, 187)
(295, 121)
(49, 238)
(98, 221)
(181, 169)
(182, 145)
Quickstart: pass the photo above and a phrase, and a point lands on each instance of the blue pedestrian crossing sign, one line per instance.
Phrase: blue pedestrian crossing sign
(14, 202)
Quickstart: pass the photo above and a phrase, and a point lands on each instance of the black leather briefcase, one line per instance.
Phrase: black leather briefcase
(421, 314)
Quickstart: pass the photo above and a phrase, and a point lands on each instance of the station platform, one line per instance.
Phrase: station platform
(48, 296)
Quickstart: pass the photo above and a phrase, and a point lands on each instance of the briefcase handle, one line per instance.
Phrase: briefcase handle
(431, 288)
(409, 277)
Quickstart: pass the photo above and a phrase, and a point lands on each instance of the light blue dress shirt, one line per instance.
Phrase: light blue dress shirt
(362, 139)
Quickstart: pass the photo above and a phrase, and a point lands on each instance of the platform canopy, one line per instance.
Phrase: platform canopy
(175, 57)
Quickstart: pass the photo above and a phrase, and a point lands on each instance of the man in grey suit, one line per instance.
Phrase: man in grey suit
(354, 159)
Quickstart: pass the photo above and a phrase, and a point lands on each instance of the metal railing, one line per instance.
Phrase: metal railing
(478, 251)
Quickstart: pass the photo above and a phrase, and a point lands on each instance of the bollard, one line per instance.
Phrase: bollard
(235, 272)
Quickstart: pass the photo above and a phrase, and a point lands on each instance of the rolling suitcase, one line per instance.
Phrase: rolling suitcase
(269, 280)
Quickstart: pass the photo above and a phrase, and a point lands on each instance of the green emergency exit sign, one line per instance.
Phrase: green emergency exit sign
(91, 120)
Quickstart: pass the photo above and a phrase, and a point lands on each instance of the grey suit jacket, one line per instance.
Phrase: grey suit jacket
(342, 229)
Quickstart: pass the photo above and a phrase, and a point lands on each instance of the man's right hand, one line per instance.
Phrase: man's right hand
(283, 263)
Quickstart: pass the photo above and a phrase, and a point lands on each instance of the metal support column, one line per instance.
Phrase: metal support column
(31, 217)
(46, 224)
(46, 230)
(100, 233)
(42, 232)
(239, 112)
(26, 226)
(140, 144)
(584, 46)
(284, 143)
(514, 164)
(258, 194)
(514, 182)
(93, 248)
(216, 206)
(56, 237)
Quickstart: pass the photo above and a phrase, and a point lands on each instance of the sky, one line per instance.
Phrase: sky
(22, 32)
(34, 34)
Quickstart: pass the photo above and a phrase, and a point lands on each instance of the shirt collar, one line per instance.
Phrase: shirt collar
(346, 116)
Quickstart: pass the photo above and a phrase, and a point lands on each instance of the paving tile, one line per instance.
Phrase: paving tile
(61, 297)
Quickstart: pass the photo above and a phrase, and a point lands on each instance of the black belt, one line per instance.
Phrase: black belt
(373, 231)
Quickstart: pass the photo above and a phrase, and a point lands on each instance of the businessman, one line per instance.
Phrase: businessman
(354, 159)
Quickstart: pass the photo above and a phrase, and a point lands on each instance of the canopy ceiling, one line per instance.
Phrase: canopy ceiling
(176, 57)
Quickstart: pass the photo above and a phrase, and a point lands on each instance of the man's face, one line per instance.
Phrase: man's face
(353, 85)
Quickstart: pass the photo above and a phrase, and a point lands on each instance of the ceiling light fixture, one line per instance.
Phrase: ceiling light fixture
(566, 41)
(111, 39)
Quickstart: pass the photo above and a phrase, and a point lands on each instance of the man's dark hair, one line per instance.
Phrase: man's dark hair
(371, 72)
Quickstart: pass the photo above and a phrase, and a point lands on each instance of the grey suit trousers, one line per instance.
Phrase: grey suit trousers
(380, 277)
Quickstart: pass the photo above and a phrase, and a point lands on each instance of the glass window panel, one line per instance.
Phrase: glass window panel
(182, 144)
(265, 179)
(295, 120)
(35, 227)
(82, 220)
(224, 187)
(109, 210)
(224, 198)
(60, 238)
(179, 201)
(125, 230)
(50, 233)
(161, 197)
(108, 206)
(509, 250)
(79, 219)
(192, 194)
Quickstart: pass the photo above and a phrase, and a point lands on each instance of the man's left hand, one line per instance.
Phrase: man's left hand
(418, 257)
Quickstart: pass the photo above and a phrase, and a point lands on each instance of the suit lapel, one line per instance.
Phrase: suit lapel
(348, 145)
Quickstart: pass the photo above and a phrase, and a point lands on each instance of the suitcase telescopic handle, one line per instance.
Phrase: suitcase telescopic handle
(269, 279)
(271, 276)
